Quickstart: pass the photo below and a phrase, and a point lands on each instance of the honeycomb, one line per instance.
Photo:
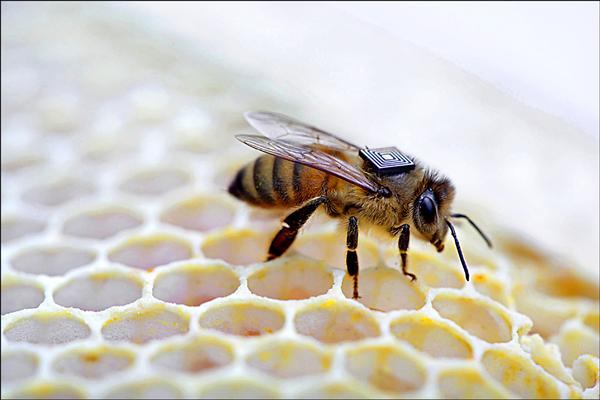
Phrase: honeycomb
(128, 272)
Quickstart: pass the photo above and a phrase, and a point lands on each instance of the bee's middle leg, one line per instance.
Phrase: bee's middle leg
(351, 256)
(403, 247)
(291, 225)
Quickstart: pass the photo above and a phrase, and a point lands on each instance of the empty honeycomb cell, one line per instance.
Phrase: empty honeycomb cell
(50, 328)
(200, 213)
(428, 268)
(21, 163)
(197, 355)
(99, 291)
(18, 365)
(145, 324)
(491, 287)
(519, 375)
(385, 289)
(586, 370)
(287, 359)
(477, 317)
(468, 383)
(155, 182)
(387, 368)
(243, 318)
(547, 313)
(434, 337)
(101, 223)
(20, 295)
(149, 252)
(48, 390)
(51, 260)
(238, 389)
(574, 342)
(59, 192)
(330, 247)
(267, 220)
(93, 363)
(193, 284)
(567, 283)
(291, 279)
(592, 320)
(151, 388)
(334, 321)
(60, 113)
(19, 227)
(239, 247)
(337, 390)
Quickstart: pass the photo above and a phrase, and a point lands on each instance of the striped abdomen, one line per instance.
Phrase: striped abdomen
(274, 182)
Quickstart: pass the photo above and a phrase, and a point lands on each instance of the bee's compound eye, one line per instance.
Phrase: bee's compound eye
(427, 209)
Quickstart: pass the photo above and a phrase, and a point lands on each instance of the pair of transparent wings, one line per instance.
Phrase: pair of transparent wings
(298, 142)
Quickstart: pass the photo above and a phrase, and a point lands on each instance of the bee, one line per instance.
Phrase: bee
(306, 168)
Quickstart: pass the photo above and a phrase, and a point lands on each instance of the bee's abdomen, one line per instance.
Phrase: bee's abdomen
(274, 182)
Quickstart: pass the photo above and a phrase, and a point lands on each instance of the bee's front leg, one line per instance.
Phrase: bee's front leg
(291, 224)
(351, 256)
(403, 247)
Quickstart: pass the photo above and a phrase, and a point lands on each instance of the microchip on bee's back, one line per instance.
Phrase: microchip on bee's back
(387, 160)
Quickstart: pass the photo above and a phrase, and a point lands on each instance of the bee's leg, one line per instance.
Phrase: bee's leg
(291, 224)
(403, 246)
(351, 256)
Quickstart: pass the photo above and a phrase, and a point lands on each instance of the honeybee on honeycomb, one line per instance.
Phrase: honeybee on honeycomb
(385, 189)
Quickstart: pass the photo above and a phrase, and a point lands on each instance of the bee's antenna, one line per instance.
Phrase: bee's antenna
(460, 254)
(483, 235)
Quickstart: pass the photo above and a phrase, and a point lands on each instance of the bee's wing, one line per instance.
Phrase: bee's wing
(281, 127)
(310, 157)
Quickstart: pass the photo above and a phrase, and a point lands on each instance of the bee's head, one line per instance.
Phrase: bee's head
(431, 208)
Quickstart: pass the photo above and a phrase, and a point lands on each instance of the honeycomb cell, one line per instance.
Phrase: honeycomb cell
(291, 279)
(547, 356)
(586, 370)
(151, 388)
(239, 247)
(547, 313)
(287, 359)
(20, 295)
(200, 214)
(429, 269)
(145, 324)
(99, 291)
(155, 182)
(334, 321)
(198, 355)
(243, 318)
(20, 163)
(518, 374)
(434, 337)
(51, 260)
(93, 363)
(479, 318)
(56, 193)
(338, 390)
(267, 220)
(48, 390)
(60, 113)
(566, 283)
(592, 320)
(149, 252)
(492, 288)
(238, 389)
(574, 342)
(193, 285)
(388, 368)
(18, 227)
(101, 223)
(385, 289)
(467, 383)
(47, 328)
(18, 365)
(330, 247)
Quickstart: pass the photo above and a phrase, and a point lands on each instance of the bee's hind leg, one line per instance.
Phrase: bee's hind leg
(403, 247)
(291, 224)
(351, 256)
